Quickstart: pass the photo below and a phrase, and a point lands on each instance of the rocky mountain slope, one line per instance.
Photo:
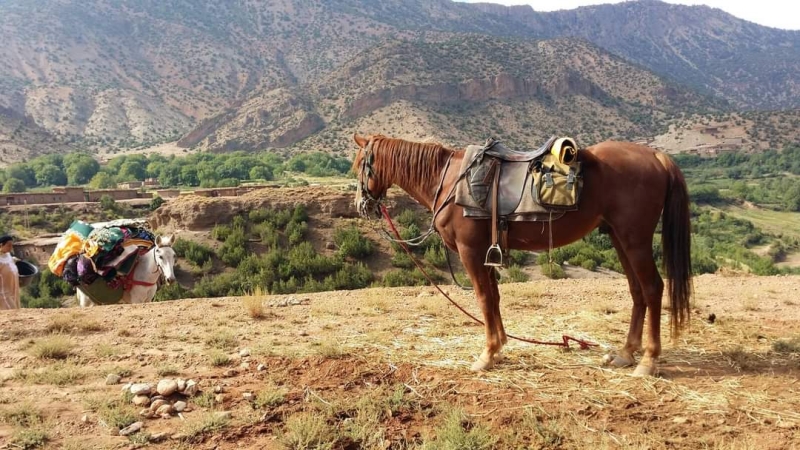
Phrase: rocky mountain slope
(255, 75)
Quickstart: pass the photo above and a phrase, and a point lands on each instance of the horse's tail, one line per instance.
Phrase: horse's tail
(676, 242)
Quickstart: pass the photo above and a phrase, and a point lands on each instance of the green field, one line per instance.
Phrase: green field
(773, 222)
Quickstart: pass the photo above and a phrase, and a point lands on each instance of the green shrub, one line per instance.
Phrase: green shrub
(195, 252)
(403, 277)
(221, 232)
(435, 254)
(514, 274)
(351, 243)
(554, 271)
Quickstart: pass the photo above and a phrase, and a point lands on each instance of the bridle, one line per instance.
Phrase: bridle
(371, 207)
(367, 203)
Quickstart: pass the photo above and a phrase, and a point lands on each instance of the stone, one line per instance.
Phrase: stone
(127, 387)
(141, 389)
(141, 400)
(167, 387)
(261, 367)
(219, 398)
(218, 389)
(165, 410)
(230, 373)
(112, 379)
(157, 404)
(132, 428)
(181, 385)
(85, 418)
(146, 413)
(179, 406)
(244, 352)
(249, 396)
(191, 389)
(158, 437)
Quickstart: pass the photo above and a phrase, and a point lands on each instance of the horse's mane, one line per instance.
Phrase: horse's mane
(407, 162)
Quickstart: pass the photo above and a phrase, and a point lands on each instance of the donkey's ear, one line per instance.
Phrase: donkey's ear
(361, 141)
(166, 241)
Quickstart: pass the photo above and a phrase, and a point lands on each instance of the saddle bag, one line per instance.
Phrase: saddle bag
(557, 185)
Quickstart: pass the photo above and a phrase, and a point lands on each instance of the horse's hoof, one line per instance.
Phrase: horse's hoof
(645, 370)
(481, 365)
(617, 360)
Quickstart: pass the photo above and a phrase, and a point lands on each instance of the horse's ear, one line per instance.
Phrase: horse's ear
(158, 241)
(361, 141)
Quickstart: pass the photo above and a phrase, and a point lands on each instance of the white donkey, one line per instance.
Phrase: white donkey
(160, 260)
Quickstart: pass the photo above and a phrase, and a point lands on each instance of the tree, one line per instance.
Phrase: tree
(103, 180)
(50, 175)
(14, 185)
(189, 175)
(22, 172)
(132, 170)
(108, 203)
(261, 173)
(80, 169)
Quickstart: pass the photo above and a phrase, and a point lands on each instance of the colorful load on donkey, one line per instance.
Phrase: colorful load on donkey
(101, 258)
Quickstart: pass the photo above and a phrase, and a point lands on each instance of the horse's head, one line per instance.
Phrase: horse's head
(371, 187)
(165, 257)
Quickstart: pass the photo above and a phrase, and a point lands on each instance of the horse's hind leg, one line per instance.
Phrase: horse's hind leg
(624, 357)
(488, 296)
(639, 253)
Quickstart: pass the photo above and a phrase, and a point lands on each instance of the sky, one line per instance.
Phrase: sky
(772, 13)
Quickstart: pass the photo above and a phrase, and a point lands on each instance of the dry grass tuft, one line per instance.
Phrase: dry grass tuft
(63, 373)
(270, 398)
(308, 431)
(254, 303)
(53, 347)
(29, 438)
(73, 323)
(218, 358)
(787, 346)
(221, 341)
(207, 424)
(458, 431)
(24, 415)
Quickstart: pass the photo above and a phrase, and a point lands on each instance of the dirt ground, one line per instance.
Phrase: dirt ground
(389, 368)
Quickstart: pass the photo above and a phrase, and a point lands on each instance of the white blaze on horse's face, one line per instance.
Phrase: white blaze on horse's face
(165, 258)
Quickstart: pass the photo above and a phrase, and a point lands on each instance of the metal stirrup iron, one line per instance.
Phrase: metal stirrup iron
(494, 256)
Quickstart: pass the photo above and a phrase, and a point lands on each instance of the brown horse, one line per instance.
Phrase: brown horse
(626, 188)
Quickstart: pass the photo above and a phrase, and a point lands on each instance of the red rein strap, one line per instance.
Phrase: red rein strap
(565, 343)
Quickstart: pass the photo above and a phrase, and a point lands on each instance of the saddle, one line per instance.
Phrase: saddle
(503, 185)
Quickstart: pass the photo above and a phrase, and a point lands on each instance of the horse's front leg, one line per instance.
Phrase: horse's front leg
(487, 293)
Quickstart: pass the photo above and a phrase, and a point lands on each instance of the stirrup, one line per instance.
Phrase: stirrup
(494, 256)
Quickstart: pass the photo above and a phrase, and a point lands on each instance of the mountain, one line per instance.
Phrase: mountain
(751, 65)
(21, 139)
(461, 88)
(121, 74)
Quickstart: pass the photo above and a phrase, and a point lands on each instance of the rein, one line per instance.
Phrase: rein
(565, 339)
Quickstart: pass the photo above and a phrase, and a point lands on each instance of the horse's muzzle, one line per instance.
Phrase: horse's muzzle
(369, 209)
